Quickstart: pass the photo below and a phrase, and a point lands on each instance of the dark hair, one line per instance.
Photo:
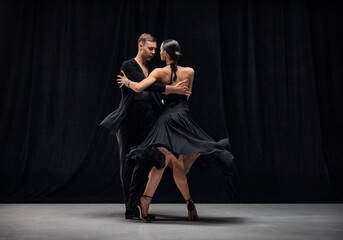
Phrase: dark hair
(172, 47)
(146, 37)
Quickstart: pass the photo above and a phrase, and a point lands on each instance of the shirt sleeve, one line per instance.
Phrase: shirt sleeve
(156, 87)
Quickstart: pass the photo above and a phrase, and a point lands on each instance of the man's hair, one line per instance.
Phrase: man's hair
(146, 37)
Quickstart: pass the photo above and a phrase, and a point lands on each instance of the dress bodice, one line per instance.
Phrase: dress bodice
(171, 100)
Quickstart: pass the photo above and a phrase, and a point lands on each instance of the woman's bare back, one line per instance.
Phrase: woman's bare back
(182, 73)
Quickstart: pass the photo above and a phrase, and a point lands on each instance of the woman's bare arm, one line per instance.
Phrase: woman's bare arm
(138, 86)
(190, 84)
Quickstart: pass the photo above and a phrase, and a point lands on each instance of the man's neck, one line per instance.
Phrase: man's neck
(140, 60)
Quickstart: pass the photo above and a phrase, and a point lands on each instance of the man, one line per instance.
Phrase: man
(134, 118)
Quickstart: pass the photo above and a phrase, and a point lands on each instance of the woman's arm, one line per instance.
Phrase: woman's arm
(138, 86)
(190, 84)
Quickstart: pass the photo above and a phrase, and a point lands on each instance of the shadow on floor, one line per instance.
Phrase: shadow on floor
(168, 219)
(205, 220)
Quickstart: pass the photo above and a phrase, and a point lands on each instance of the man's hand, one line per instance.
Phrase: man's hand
(121, 79)
(180, 88)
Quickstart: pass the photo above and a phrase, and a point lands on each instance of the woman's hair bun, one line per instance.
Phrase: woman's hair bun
(172, 47)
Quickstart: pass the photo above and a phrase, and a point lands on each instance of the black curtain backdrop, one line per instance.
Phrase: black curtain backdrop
(268, 75)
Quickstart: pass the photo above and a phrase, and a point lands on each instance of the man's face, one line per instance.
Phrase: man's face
(148, 50)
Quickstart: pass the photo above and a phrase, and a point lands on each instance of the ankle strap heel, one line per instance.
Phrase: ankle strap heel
(147, 196)
(192, 212)
(190, 205)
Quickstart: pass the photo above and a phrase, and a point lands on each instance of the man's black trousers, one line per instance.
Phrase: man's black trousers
(132, 132)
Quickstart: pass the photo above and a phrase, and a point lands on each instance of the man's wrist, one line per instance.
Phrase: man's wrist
(170, 89)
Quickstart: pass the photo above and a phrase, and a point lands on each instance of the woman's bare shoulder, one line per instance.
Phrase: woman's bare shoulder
(188, 70)
(160, 74)
(159, 71)
(162, 69)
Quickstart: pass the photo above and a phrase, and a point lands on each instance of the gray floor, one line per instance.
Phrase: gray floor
(217, 221)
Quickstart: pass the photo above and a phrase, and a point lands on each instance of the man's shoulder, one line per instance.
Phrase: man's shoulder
(128, 63)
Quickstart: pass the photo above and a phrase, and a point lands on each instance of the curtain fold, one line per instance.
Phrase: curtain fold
(268, 75)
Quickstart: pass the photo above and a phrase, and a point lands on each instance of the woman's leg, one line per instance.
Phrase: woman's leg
(155, 177)
(180, 177)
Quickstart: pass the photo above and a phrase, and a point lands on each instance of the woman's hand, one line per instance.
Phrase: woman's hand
(122, 79)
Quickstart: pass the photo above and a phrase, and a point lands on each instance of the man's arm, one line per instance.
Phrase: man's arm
(178, 88)
(156, 87)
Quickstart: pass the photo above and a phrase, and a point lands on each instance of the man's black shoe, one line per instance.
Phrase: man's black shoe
(152, 217)
(128, 214)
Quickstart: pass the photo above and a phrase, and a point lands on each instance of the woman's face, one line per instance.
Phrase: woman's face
(162, 54)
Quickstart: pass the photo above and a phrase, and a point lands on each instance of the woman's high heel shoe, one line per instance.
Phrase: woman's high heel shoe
(140, 210)
(192, 212)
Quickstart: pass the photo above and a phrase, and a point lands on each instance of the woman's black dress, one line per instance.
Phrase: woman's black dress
(176, 131)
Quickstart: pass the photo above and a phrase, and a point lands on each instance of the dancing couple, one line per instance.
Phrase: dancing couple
(152, 135)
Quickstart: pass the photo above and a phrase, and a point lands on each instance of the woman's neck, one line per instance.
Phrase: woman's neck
(168, 62)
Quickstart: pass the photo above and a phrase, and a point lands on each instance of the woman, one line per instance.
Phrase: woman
(175, 140)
